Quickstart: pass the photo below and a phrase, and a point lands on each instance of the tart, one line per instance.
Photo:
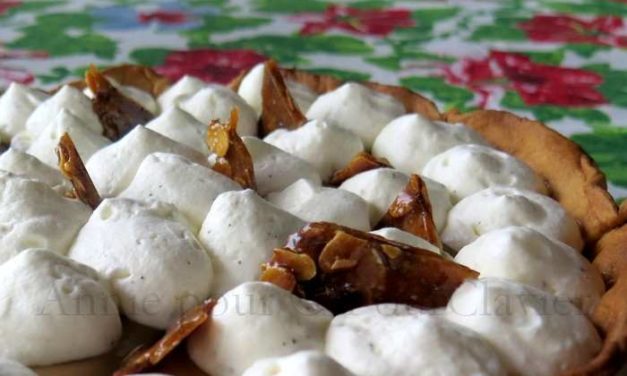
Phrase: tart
(326, 200)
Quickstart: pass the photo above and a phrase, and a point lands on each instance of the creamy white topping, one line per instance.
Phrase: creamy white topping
(381, 186)
(253, 321)
(174, 179)
(142, 98)
(10, 367)
(395, 339)
(252, 84)
(184, 88)
(182, 127)
(250, 88)
(313, 203)
(302, 363)
(498, 207)
(409, 141)
(112, 168)
(357, 108)
(301, 94)
(467, 169)
(240, 232)
(16, 104)
(392, 233)
(276, 169)
(216, 102)
(69, 98)
(326, 147)
(54, 310)
(87, 142)
(28, 166)
(535, 333)
(525, 255)
(35, 216)
(145, 250)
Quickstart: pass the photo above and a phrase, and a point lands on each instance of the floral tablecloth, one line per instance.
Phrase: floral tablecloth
(561, 61)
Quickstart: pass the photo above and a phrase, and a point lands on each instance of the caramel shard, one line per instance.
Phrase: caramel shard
(233, 159)
(356, 268)
(411, 211)
(117, 113)
(279, 110)
(280, 276)
(303, 266)
(144, 358)
(73, 168)
(361, 162)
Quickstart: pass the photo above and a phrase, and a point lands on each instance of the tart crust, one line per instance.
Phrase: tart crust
(572, 176)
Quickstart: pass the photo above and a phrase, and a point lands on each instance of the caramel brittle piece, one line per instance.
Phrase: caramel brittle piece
(361, 162)
(117, 113)
(233, 159)
(411, 211)
(279, 110)
(73, 168)
(355, 268)
(145, 358)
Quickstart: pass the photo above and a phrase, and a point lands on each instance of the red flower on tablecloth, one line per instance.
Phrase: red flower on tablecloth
(170, 17)
(8, 4)
(219, 66)
(605, 30)
(16, 74)
(376, 22)
(535, 83)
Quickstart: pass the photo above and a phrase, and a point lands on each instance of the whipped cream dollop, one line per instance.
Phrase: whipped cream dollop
(176, 180)
(26, 165)
(185, 87)
(216, 102)
(527, 256)
(69, 98)
(33, 215)
(112, 168)
(87, 141)
(253, 321)
(302, 363)
(395, 339)
(10, 367)
(182, 127)
(141, 97)
(326, 147)
(252, 84)
(410, 141)
(357, 108)
(276, 169)
(381, 186)
(54, 310)
(536, 333)
(17, 103)
(394, 234)
(497, 207)
(467, 169)
(155, 265)
(240, 232)
(313, 203)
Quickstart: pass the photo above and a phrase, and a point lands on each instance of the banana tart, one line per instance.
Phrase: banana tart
(294, 224)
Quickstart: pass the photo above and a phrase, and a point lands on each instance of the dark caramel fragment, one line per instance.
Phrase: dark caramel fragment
(233, 159)
(73, 168)
(145, 358)
(411, 211)
(117, 113)
(361, 162)
(279, 110)
(356, 268)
